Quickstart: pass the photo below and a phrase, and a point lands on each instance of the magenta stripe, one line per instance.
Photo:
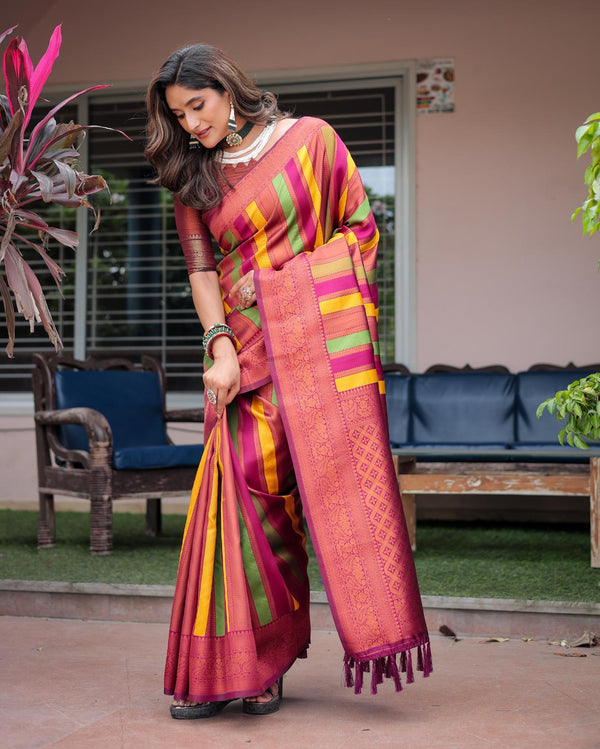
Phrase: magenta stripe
(350, 361)
(299, 193)
(340, 167)
(253, 468)
(333, 285)
(272, 579)
(243, 224)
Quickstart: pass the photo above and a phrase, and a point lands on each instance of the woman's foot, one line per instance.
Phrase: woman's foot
(266, 703)
(186, 710)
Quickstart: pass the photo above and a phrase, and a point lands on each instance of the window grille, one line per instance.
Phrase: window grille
(138, 298)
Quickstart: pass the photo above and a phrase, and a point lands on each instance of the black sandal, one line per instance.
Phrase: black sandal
(201, 710)
(265, 708)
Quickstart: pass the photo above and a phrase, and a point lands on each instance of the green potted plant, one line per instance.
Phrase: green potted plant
(38, 165)
(579, 404)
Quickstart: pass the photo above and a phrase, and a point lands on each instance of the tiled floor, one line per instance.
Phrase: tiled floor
(79, 684)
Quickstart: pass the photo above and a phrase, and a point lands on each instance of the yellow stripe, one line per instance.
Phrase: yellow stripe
(260, 236)
(336, 266)
(267, 445)
(356, 380)
(341, 303)
(315, 193)
(196, 486)
(342, 202)
(206, 579)
(351, 166)
(224, 567)
(371, 243)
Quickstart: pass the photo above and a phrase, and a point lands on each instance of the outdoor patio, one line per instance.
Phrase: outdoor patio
(96, 683)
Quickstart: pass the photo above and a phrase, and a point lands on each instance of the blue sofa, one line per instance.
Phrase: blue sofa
(477, 432)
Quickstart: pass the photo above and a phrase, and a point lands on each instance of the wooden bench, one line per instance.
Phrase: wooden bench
(476, 433)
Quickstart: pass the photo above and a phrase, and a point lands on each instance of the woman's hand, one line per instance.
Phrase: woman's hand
(244, 290)
(223, 378)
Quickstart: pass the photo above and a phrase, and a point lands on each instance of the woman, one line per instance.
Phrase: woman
(290, 320)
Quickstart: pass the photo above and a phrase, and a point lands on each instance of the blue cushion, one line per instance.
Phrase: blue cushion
(130, 401)
(532, 389)
(157, 456)
(397, 395)
(463, 408)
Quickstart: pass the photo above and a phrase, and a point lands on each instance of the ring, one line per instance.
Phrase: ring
(211, 397)
(246, 293)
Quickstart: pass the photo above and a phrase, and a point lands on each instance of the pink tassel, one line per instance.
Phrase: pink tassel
(348, 663)
(395, 674)
(428, 663)
(387, 668)
(358, 679)
(374, 681)
(409, 669)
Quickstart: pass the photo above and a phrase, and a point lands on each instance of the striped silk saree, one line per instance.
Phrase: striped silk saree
(307, 434)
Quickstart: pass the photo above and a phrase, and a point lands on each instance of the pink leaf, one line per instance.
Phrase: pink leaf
(51, 114)
(17, 280)
(64, 236)
(9, 313)
(15, 74)
(43, 69)
(45, 183)
(43, 313)
(4, 34)
(28, 65)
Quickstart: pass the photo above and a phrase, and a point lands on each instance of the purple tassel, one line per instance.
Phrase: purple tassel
(358, 679)
(428, 664)
(374, 681)
(409, 669)
(348, 663)
(396, 674)
(403, 661)
(387, 667)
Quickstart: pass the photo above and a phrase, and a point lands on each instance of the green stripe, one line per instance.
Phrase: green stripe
(257, 589)
(218, 588)
(231, 239)
(289, 212)
(335, 345)
(236, 261)
(232, 421)
(361, 213)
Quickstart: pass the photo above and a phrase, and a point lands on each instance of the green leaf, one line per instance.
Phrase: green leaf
(580, 443)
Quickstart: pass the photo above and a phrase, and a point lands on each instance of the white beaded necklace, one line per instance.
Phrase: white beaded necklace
(247, 154)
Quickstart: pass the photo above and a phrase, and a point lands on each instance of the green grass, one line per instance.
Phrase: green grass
(453, 559)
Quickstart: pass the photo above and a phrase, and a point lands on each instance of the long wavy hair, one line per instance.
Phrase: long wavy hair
(196, 176)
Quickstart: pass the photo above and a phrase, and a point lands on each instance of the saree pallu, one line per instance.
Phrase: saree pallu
(299, 218)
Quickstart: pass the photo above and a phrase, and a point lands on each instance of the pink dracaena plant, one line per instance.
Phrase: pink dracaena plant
(38, 163)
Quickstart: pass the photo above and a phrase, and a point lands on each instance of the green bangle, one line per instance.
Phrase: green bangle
(220, 329)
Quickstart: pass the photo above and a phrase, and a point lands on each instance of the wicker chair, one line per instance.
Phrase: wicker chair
(101, 435)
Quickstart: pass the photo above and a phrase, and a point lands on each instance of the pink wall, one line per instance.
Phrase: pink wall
(502, 275)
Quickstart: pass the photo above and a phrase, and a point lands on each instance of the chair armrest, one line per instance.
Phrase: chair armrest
(95, 424)
(185, 414)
